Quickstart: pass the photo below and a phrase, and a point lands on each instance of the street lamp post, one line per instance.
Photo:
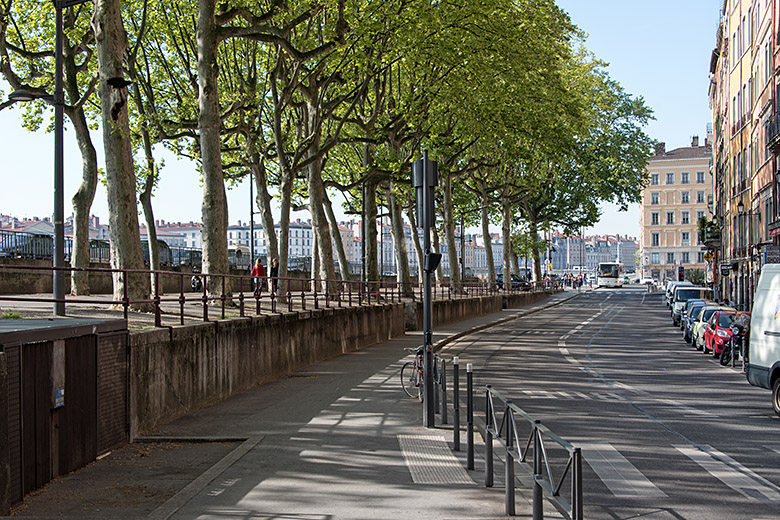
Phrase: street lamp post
(58, 256)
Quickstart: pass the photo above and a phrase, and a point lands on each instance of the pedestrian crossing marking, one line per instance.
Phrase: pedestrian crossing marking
(621, 477)
(732, 473)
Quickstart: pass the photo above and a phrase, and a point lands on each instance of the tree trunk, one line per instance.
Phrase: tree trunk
(263, 201)
(82, 202)
(486, 237)
(534, 232)
(399, 241)
(146, 193)
(111, 43)
(506, 234)
(449, 236)
(416, 241)
(85, 195)
(372, 266)
(334, 225)
(214, 205)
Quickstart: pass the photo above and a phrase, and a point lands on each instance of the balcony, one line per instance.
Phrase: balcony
(773, 134)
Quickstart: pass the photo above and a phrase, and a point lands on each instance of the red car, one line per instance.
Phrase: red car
(718, 331)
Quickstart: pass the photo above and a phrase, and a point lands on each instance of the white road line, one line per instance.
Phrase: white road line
(732, 473)
(589, 398)
(770, 448)
(621, 477)
(687, 410)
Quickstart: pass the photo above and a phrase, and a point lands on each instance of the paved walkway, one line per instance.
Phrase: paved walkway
(338, 440)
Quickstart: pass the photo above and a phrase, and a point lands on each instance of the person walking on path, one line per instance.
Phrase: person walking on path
(258, 273)
(274, 274)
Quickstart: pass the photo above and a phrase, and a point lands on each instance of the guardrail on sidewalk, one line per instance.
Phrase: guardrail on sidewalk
(545, 485)
(237, 291)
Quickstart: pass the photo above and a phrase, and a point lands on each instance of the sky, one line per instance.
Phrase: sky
(659, 50)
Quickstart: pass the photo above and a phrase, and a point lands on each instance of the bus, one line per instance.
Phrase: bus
(610, 274)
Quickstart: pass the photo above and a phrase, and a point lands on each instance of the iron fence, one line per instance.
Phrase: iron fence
(240, 292)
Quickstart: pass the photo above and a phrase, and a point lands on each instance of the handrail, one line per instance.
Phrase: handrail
(545, 484)
(193, 288)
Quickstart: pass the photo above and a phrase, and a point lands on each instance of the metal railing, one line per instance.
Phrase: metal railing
(237, 292)
(539, 442)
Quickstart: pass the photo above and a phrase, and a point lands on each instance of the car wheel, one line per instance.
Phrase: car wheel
(686, 336)
(776, 396)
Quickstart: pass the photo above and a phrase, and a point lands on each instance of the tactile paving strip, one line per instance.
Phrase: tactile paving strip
(430, 460)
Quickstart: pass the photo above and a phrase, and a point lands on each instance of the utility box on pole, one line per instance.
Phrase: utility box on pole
(425, 177)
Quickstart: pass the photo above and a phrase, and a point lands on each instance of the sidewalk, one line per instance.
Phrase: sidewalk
(338, 440)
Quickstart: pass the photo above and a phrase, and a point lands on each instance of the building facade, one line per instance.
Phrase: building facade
(672, 205)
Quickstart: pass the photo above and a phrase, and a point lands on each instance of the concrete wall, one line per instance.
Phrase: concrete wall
(180, 369)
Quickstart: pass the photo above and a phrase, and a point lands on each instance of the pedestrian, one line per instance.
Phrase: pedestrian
(258, 273)
(274, 274)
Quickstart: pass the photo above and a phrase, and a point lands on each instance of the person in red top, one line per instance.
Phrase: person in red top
(258, 275)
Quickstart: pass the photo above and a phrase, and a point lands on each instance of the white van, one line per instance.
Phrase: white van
(670, 290)
(763, 368)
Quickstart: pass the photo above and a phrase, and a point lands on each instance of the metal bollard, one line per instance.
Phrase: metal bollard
(443, 392)
(489, 426)
(456, 405)
(469, 417)
(436, 385)
(509, 466)
(538, 496)
(576, 499)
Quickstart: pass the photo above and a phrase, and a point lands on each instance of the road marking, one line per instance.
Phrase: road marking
(732, 473)
(686, 410)
(621, 477)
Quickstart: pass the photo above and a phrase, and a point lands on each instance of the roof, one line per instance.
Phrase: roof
(688, 152)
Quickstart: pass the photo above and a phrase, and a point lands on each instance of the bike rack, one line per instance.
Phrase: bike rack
(545, 485)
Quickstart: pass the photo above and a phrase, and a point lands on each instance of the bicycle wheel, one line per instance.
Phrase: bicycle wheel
(409, 380)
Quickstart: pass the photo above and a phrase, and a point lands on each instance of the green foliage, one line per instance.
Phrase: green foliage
(695, 276)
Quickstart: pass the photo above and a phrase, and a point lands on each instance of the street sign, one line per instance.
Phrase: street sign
(725, 269)
(708, 256)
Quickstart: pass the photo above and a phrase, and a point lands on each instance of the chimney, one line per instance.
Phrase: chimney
(695, 141)
(660, 148)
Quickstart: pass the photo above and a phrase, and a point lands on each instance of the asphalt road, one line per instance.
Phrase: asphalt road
(665, 431)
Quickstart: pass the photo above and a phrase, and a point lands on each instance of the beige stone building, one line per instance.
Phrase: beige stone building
(677, 196)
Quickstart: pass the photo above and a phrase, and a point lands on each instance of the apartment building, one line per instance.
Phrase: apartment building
(672, 204)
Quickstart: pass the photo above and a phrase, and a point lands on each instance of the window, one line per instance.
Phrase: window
(670, 217)
(685, 217)
(669, 258)
(684, 178)
(700, 257)
(654, 179)
(670, 178)
(654, 218)
(699, 215)
(686, 258)
(656, 239)
(699, 197)
(655, 259)
(686, 240)
(685, 197)
(654, 198)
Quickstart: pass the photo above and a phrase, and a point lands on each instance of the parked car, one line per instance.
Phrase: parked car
(685, 308)
(718, 331)
(683, 293)
(647, 281)
(697, 332)
(690, 318)
(670, 288)
(763, 356)
(518, 282)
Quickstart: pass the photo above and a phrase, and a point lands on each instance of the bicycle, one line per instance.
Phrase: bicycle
(412, 374)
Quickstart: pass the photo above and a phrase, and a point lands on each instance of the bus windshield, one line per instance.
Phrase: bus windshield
(609, 270)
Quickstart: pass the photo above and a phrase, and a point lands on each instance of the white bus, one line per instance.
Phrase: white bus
(610, 274)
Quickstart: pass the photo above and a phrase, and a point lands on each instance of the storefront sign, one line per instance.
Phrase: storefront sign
(772, 254)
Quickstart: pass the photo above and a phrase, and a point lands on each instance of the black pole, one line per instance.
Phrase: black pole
(456, 405)
(58, 260)
(429, 420)
(469, 417)
(252, 222)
